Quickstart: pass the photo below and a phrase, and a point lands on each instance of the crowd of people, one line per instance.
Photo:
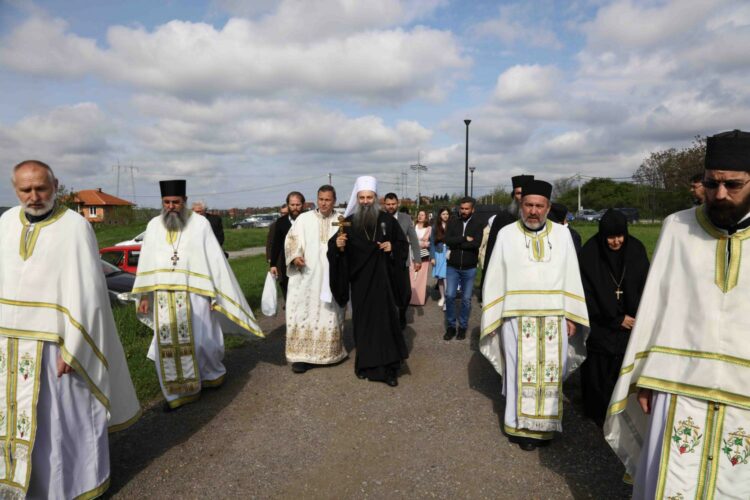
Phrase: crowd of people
(662, 346)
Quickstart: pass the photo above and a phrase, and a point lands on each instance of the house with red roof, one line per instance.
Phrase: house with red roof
(97, 206)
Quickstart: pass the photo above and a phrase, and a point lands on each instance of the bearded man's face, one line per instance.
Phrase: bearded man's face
(174, 212)
(727, 196)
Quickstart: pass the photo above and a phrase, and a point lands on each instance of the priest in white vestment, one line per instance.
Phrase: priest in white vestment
(534, 319)
(679, 417)
(314, 321)
(64, 381)
(183, 284)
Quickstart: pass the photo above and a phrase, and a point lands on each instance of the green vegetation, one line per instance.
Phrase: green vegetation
(109, 234)
(234, 239)
(237, 239)
(647, 233)
(136, 337)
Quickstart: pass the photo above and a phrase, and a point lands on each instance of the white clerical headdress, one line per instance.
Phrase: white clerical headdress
(363, 183)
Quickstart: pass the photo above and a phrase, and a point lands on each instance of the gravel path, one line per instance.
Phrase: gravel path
(246, 252)
(269, 433)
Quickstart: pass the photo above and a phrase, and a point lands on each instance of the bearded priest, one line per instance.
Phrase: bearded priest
(368, 260)
(534, 321)
(184, 283)
(679, 417)
(64, 381)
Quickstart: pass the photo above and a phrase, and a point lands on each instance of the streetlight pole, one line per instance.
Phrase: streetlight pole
(466, 169)
(471, 169)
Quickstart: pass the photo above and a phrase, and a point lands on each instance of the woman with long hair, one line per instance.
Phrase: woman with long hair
(419, 278)
(438, 251)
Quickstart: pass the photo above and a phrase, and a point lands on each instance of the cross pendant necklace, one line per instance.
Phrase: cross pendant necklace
(618, 291)
(175, 258)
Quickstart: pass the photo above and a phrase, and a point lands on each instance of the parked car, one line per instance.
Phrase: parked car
(265, 220)
(135, 241)
(259, 220)
(244, 223)
(587, 215)
(118, 282)
(630, 213)
(124, 257)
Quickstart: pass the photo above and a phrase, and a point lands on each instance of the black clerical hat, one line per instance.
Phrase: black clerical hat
(519, 180)
(538, 187)
(173, 188)
(728, 151)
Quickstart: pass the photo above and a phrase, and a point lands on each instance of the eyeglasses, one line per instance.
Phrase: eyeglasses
(730, 185)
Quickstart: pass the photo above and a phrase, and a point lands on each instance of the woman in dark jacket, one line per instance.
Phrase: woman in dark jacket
(613, 266)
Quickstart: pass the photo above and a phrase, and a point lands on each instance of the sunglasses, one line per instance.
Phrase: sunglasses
(730, 185)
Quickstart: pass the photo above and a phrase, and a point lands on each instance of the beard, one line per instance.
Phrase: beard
(47, 206)
(174, 221)
(725, 214)
(366, 216)
(514, 208)
(534, 225)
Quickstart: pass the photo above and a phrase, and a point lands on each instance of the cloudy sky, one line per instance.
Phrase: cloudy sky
(251, 99)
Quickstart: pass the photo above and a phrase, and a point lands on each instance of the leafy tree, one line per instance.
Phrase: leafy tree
(66, 197)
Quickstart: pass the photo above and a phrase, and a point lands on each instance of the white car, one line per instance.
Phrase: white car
(135, 241)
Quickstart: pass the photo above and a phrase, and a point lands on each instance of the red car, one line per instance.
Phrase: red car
(125, 257)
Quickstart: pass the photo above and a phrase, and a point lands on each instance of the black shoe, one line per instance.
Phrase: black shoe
(450, 332)
(392, 380)
(300, 367)
(527, 446)
(461, 333)
(361, 376)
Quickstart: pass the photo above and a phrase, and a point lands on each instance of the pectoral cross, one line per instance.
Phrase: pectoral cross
(174, 259)
(618, 292)
(342, 224)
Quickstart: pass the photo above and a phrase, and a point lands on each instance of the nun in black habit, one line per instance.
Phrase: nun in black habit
(613, 267)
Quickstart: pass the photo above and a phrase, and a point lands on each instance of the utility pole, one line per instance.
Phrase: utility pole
(471, 169)
(117, 167)
(419, 168)
(132, 181)
(330, 179)
(404, 176)
(578, 175)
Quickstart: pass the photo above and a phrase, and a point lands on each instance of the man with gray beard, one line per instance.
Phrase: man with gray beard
(184, 283)
(534, 305)
(367, 258)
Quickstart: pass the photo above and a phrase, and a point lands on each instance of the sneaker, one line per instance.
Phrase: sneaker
(441, 302)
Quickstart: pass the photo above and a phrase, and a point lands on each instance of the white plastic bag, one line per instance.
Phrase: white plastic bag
(269, 300)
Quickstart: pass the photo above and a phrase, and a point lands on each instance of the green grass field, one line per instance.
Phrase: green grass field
(646, 233)
(237, 239)
(234, 239)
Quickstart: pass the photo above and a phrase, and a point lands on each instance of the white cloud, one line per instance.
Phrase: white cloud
(196, 59)
(625, 24)
(514, 25)
(74, 140)
(229, 126)
(523, 83)
(304, 20)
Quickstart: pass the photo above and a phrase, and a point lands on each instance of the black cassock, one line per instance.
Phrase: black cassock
(601, 271)
(376, 292)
